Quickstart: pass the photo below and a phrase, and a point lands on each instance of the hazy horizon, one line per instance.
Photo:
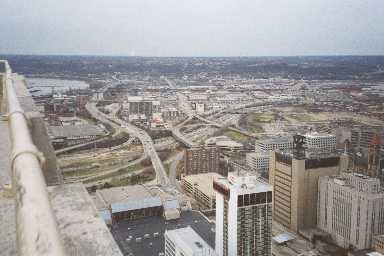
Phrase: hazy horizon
(193, 28)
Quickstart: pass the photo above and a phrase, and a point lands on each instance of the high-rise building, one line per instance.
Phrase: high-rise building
(374, 156)
(200, 159)
(323, 142)
(243, 215)
(186, 242)
(351, 209)
(361, 137)
(294, 178)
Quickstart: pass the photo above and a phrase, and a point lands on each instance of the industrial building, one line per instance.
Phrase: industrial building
(200, 187)
(243, 215)
(186, 242)
(135, 202)
(294, 176)
(200, 159)
(351, 209)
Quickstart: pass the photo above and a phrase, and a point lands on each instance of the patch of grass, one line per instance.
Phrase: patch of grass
(236, 136)
(301, 117)
(120, 172)
(261, 117)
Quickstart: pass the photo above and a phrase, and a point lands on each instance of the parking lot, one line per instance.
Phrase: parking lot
(146, 236)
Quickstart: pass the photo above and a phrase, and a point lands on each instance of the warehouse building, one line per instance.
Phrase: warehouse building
(135, 202)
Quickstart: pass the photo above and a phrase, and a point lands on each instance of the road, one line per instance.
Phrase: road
(173, 170)
(144, 138)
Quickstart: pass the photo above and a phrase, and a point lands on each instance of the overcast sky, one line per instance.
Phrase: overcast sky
(192, 27)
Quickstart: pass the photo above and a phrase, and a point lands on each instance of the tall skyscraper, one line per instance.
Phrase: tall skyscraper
(294, 178)
(243, 215)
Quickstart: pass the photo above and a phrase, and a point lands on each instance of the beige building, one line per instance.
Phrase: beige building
(294, 179)
(351, 209)
(200, 187)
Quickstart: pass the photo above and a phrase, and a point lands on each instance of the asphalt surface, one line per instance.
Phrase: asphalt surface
(127, 231)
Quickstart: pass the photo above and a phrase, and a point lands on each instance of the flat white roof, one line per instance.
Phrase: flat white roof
(283, 238)
(188, 240)
(245, 183)
(204, 181)
(318, 135)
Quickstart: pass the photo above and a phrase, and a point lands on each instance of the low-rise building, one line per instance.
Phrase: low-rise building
(269, 144)
(135, 202)
(224, 143)
(186, 242)
(200, 187)
(320, 141)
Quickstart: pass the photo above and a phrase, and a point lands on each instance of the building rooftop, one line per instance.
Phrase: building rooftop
(122, 194)
(275, 140)
(318, 135)
(135, 197)
(244, 183)
(204, 181)
(359, 182)
(189, 240)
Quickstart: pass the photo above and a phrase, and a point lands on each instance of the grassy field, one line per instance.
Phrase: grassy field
(264, 118)
(236, 136)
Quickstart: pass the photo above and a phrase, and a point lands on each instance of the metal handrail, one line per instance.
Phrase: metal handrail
(36, 228)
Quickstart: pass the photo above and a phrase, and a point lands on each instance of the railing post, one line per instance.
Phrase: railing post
(36, 227)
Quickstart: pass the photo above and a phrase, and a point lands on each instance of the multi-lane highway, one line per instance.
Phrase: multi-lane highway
(145, 139)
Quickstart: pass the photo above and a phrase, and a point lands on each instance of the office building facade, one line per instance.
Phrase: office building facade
(351, 209)
(258, 161)
(267, 145)
(294, 180)
(323, 142)
(200, 159)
